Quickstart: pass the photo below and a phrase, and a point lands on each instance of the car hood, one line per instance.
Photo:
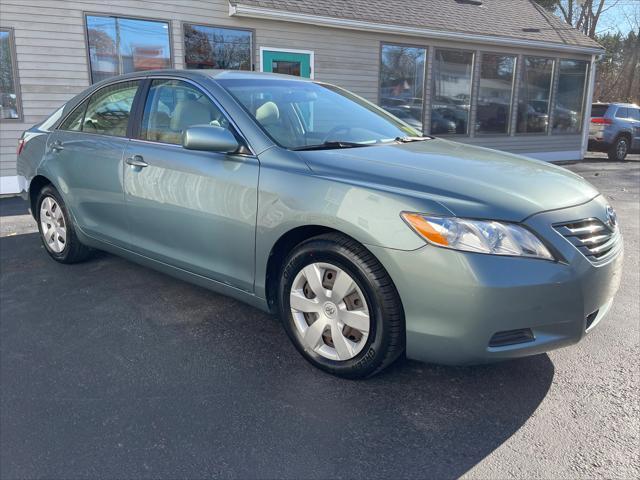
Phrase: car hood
(469, 181)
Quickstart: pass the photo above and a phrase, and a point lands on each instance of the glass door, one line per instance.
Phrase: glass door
(288, 62)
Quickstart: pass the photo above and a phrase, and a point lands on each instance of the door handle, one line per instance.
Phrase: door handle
(137, 161)
(57, 146)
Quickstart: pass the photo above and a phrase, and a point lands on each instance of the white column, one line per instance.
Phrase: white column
(586, 116)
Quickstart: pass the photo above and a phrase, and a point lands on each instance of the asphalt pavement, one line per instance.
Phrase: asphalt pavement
(112, 370)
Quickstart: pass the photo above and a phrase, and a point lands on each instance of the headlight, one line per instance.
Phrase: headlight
(481, 236)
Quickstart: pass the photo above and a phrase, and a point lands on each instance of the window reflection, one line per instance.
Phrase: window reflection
(402, 82)
(451, 91)
(569, 104)
(173, 106)
(109, 109)
(123, 45)
(534, 95)
(495, 92)
(211, 47)
(8, 94)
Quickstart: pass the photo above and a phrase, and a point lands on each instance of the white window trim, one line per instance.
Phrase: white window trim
(290, 50)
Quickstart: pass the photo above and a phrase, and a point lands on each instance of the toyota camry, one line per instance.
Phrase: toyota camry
(368, 239)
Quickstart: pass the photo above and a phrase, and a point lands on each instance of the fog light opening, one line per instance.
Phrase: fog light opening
(590, 319)
(512, 337)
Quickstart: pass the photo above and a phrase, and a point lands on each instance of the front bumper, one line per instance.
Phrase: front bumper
(456, 302)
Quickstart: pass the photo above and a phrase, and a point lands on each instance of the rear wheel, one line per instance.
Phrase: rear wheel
(619, 150)
(56, 228)
(340, 307)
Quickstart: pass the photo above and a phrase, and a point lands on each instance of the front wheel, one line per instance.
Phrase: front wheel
(340, 307)
(619, 149)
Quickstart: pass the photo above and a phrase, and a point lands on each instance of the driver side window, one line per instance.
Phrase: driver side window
(172, 106)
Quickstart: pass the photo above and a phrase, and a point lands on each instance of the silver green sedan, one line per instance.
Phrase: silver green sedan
(369, 240)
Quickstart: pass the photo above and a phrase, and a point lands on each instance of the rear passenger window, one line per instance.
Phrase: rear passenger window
(634, 113)
(73, 122)
(622, 113)
(599, 110)
(172, 106)
(109, 109)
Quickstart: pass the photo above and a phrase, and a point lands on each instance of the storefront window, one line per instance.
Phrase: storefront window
(494, 95)
(212, 47)
(402, 73)
(123, 45)
(534, 95)
(9, 102)
(569, 103)
(452, 72)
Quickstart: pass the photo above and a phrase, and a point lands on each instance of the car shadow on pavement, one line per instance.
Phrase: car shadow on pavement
(109, 369)
(13, 206)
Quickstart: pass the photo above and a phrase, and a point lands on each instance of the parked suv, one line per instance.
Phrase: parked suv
(615, 129)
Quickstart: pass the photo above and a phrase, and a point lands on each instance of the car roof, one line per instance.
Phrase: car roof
(194, 75)
(616, 104)
(209, 73)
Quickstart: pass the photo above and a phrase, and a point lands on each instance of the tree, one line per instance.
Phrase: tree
(619, 68)
(583, 15)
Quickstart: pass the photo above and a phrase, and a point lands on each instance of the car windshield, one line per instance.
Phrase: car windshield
(307, 115)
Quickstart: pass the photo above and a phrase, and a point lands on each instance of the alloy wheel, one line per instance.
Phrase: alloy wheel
(621, 150)
(330, 311)
(54, 227)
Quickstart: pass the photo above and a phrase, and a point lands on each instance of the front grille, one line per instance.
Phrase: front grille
(593, 238)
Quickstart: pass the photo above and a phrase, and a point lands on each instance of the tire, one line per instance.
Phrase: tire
(65, 248)
(619, 149)
(373, 348)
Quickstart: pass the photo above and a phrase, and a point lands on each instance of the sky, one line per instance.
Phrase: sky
(623, 16)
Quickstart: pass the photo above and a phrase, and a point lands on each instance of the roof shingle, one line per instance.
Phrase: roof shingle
(517, 19)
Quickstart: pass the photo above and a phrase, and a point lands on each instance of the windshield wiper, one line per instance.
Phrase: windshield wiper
(332, 145)
(412, 139)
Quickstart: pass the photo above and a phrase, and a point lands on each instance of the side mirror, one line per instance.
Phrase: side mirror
(209, 138)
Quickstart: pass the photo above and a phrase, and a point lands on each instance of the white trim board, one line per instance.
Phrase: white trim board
(559, 156)
(239, 10)
(311, 54)
(11, 185)
(587, 106)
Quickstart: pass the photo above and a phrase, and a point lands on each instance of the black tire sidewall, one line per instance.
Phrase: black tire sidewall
(615, 149)
(373, 353)
(49, 191)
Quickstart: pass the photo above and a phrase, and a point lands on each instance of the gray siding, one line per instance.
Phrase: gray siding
(52, 57)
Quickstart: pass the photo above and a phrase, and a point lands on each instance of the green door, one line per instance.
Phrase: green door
(288, 63)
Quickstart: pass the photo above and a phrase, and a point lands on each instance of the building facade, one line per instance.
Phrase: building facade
(496, 73)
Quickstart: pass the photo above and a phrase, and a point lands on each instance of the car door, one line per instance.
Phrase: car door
(191, 209)
(86, 153)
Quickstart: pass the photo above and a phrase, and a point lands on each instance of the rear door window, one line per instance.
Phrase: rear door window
(109, 109)
(622, 112)
(599, 110)
(73, 122)
(172, 106)
(634, 113)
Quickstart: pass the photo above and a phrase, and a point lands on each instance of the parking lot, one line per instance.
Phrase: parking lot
(109, 369)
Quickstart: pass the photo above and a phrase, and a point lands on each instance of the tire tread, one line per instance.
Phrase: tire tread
(77, 251)
(392, 304)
